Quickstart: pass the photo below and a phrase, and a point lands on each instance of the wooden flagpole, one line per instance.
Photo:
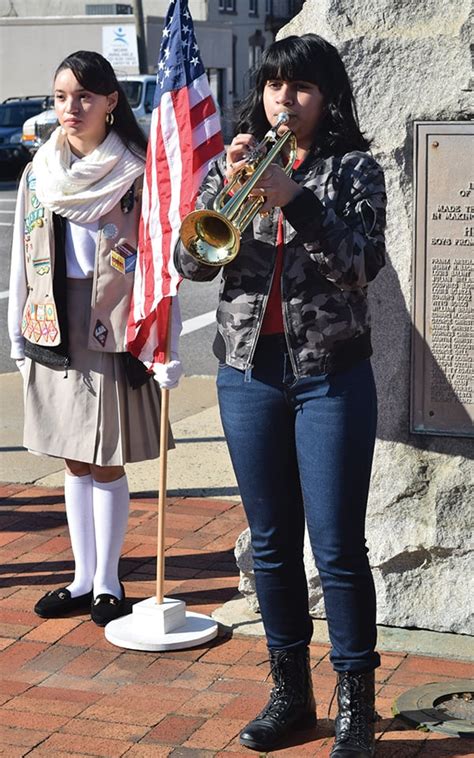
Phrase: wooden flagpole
(164, 424)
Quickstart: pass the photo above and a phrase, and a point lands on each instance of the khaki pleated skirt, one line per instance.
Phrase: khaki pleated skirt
(89, 413)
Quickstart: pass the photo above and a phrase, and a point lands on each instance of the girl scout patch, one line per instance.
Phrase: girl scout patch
(128, 200)
(110, 231)
(123, 258)
(41, 266)
(40, 322)
(100, 332)
(35, 218)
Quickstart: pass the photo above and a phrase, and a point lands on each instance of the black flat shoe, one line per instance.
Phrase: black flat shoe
(59, 602)
(105, 607)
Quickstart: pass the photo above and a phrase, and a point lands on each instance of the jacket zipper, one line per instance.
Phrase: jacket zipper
(248, 370)
(283, 306)
(283, 311)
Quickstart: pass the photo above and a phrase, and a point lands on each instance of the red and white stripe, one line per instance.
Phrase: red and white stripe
(185, 137)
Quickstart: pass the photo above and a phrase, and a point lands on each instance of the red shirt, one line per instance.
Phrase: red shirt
(273, 318)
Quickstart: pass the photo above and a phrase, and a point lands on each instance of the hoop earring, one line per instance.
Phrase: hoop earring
(109, 119)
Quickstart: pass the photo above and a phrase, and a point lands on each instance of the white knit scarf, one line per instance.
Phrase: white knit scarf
(86, 189)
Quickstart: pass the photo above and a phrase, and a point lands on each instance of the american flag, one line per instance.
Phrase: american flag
(185, 138)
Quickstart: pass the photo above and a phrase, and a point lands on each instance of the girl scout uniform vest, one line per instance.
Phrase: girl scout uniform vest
(115, 260)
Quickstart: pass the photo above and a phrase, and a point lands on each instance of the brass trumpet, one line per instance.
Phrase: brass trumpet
(213, 236)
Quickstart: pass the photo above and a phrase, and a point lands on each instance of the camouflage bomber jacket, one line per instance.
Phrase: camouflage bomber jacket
(333, 246)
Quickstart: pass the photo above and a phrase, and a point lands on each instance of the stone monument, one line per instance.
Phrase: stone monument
(411, 62)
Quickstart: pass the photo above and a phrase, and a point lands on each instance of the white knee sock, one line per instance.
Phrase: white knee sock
(80, 519)
(110, 503)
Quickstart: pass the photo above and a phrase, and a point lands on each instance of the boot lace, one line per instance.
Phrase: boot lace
(285, 681)
(354, 714)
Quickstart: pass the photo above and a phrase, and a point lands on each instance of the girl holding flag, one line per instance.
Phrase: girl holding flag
(295, 384)
(87, 400)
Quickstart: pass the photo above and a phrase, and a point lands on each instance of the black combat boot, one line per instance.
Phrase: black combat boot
(291, 705)
(356, 717)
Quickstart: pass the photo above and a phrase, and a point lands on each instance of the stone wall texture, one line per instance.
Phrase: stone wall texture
(409, 60)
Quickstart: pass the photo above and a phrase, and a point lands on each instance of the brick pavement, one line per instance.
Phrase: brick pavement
(66, 691)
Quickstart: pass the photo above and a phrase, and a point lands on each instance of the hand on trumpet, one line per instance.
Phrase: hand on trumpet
(276, 187)
(238, 153)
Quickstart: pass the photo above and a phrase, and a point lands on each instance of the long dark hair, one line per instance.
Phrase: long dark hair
(95, 74)
(308, 58)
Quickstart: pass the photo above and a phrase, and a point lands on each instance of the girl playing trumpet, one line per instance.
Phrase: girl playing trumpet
(295, 385)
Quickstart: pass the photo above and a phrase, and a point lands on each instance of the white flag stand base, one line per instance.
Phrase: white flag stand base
(156, 627)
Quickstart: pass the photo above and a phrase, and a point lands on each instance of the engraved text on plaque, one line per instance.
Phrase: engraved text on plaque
(442, 397)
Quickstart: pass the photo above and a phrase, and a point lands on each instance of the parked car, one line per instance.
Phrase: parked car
(140, 92)
(37, 129)
(13, 112)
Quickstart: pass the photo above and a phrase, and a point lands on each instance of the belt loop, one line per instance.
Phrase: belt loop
(248, 374)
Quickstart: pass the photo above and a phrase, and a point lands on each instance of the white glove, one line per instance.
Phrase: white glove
(168, 374)
(21, 366)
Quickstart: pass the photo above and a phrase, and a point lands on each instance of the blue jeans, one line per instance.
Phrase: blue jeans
(303, 449)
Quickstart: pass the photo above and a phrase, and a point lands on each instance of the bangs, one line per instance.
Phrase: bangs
(288, 60)
(92, 71)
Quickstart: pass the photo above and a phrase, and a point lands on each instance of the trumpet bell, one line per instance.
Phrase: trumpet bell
(210, 237)
(213, 236)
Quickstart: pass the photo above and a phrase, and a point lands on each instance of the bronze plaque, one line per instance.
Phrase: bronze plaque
(442, 391)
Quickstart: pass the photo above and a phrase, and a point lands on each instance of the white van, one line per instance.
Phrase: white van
(140, 92)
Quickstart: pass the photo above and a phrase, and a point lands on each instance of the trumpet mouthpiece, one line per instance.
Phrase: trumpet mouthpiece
(282, 118)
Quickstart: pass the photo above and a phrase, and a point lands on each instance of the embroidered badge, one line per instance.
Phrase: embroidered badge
(110, 231)
(35, 218)
(123, 258)
(36, 331)
(41, 266)
(100, 332)
(28, 247)
(128, 200)
(53, 332)
(40, 323)
(31, 181)
(35, 202)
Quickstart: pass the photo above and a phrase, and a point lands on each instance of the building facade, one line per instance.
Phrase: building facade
(232, 35)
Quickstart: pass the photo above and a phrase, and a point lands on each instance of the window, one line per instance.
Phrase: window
(253, 7)
(256, 47)
(133, 92)
(226, 6)
(15, 114)
(269, 7)
(149, 96)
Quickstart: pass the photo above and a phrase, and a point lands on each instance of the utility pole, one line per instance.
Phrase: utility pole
(140, 31)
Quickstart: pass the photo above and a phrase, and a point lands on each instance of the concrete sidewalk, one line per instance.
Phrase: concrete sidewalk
(66, 691)
(199, 465)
